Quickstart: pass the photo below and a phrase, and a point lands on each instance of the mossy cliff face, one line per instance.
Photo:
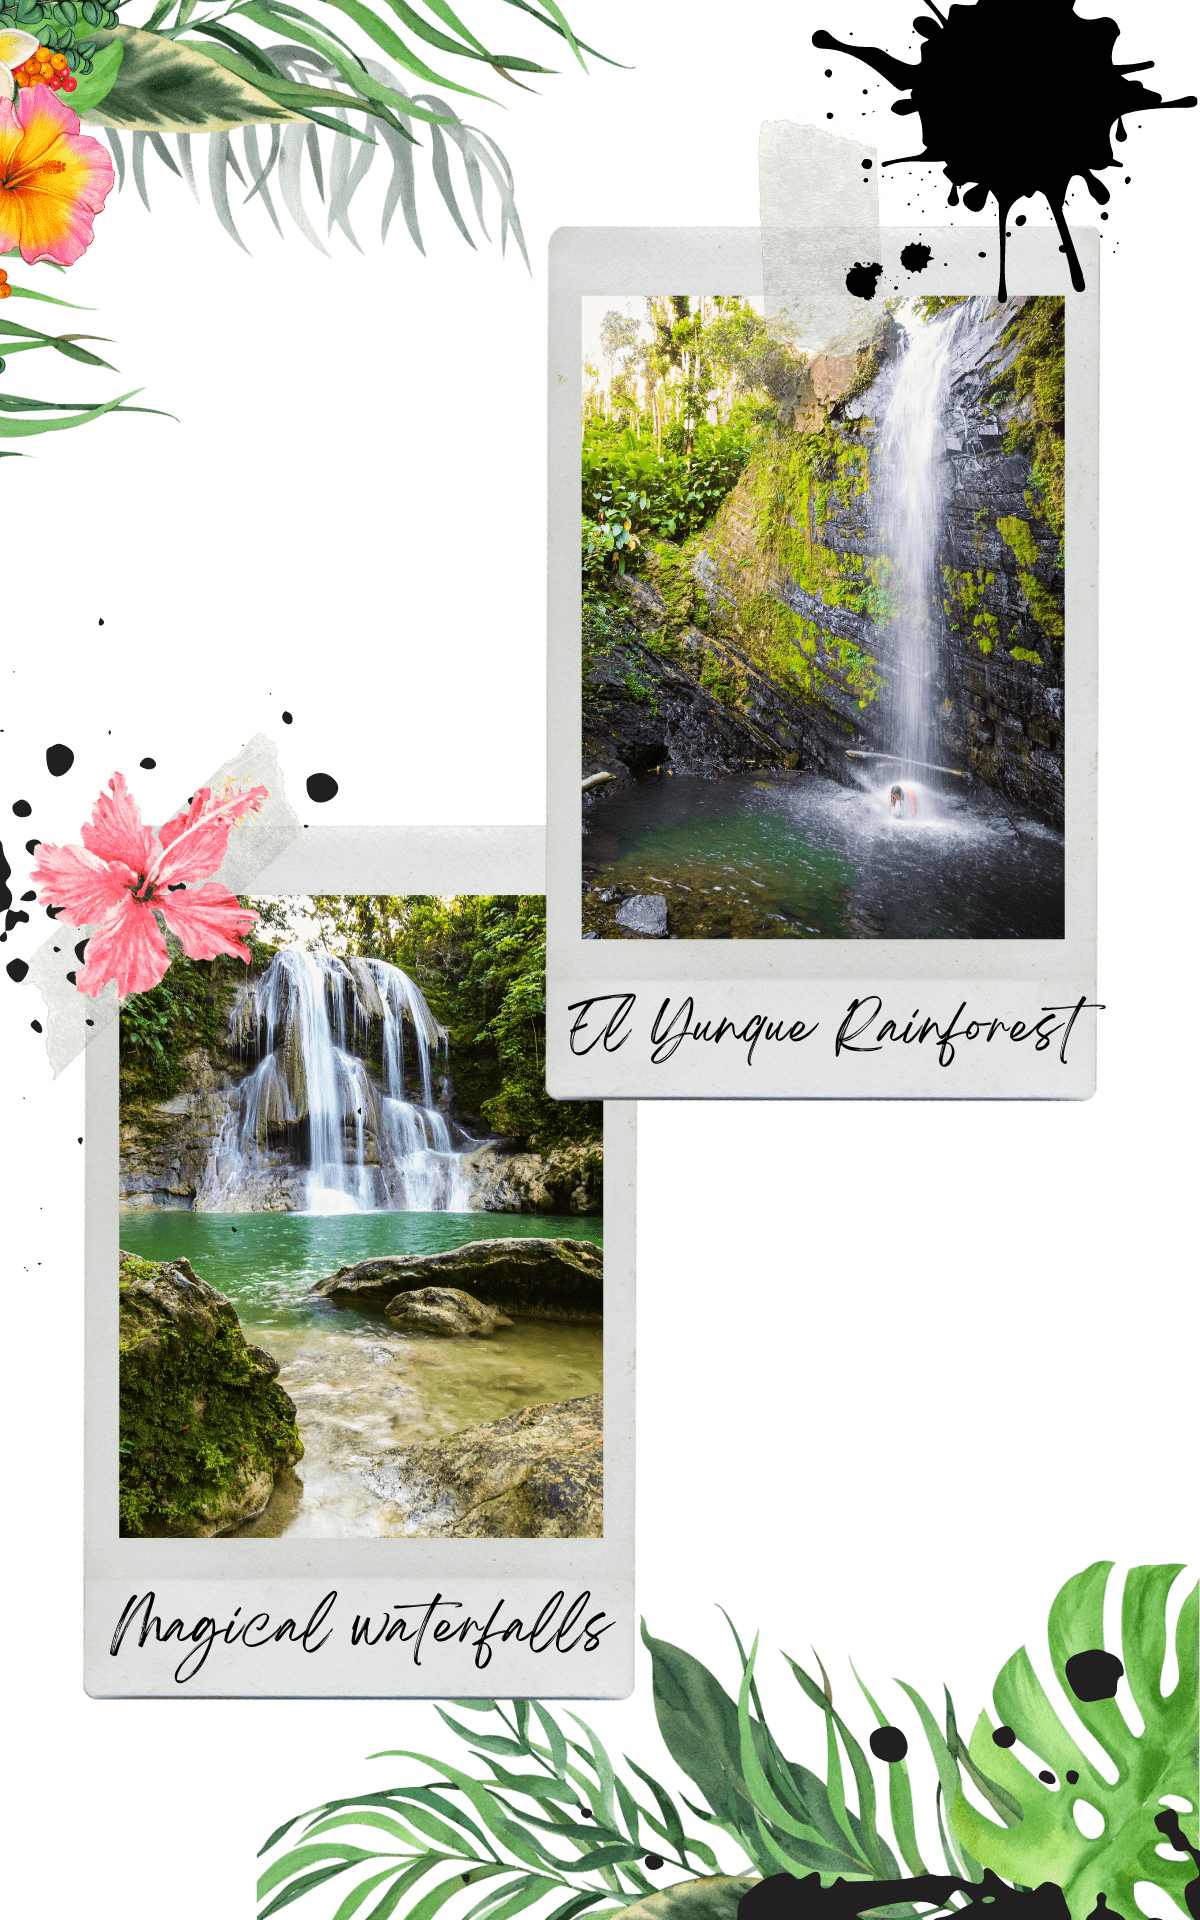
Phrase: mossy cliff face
(767, 638)
(204, 1427)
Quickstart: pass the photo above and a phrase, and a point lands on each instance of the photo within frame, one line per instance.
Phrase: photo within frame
(368, 1335)
(823, 697)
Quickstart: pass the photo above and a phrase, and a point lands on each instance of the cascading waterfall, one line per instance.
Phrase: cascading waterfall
(367, 1145)
(910, 486)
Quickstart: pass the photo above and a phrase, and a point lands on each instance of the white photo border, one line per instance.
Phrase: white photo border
(782, 1008)
(301, 1646)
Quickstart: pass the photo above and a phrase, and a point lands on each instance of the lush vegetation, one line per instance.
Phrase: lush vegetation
(544, 1816)
(188, 1008)
(670, 431)
(1038, 376)
(480, 961)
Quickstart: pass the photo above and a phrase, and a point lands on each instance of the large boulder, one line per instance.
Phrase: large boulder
(533, 1279)
(443, 1310)
(204, 1426)
(535, 1475)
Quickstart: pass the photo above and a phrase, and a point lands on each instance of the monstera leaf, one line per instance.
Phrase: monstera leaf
(1047, 1843)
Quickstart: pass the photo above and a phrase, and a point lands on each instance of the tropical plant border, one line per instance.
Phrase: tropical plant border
(552, 1820)
(216, 70)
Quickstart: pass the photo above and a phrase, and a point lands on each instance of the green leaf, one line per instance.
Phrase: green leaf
(603, 1768)
(354, 1900)
(867, 1833)
(306, 1856)
(91, 88)
(699, 1725)
(519, 1842)
(490, 1742)
(25, 429)
(305, 1884)
(163, 85)
(28, 293)
(1047, 1843)
(550, 1727)
(948, 1777)
(899, 1798)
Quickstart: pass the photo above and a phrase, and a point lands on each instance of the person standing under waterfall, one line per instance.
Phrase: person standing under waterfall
(898, 797)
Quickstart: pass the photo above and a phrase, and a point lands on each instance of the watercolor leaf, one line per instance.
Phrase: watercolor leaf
(1048, 1842)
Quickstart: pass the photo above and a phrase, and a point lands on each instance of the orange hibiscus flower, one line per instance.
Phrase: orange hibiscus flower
(53, 180)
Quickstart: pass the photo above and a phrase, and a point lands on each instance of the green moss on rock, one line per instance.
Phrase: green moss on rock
(203, 1426)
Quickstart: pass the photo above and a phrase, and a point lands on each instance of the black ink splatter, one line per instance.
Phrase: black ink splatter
(1061, 91)
(1072, 1778)
(80, 951)
(915, 257)
(148, 764)
(16, 970)
(1046, 1777)
(1004, 1737)
(784, 1896)
(22, 809)
(31, 846)
(1168, 1825)
(286, 718)
(13, 918)
(654, 1861)
(36, 1025)
(861, 279)
(888, 1743)
(31, 895)
(71, 976)
(5, 889)
(1094, 1675)
(321, 786)
(59, 759)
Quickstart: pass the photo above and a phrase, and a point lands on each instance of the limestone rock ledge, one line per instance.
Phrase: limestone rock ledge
(535, 1475)
(532, 1279)
(444, 1310)
(204, 1426)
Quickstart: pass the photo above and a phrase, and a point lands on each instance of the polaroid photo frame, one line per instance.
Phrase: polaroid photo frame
(820, 1017)
(244, 1617)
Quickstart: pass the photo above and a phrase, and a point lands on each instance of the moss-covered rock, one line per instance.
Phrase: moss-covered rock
(204, 1426)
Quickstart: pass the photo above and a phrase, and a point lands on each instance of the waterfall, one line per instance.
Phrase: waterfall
(909, 490)
(312, 1102)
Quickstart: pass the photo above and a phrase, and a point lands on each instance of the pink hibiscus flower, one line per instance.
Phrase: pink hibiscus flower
(123, 876)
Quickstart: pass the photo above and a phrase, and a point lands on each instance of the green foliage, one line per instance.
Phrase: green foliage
(1026, 653)
(188, 1008)
(15, 407)
(480, 961)
(632, 493)
(1018, 534)
(927, 304)
(783, 1816)
(65, 26)
(1047, 1843)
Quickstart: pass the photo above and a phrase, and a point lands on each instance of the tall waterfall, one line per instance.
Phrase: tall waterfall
(313, 1101)
(910, 502)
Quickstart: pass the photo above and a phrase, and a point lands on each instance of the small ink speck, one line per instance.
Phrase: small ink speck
(148, 764)
(1072, 1778)
(1004, 1737)
(37, 1027)
(16, 970)
(286, 718)
(100, 623)
(22, 809)
(889, 1743)
(71, 976)
(1046, 1776)
(868, 164)
(1020, 219)
(89, 1023)
(81, 1139)
(321, 787)
(59, 759)
(31, 895)
(31, 846)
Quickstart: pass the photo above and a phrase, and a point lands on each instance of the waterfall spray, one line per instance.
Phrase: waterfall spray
(910, 500)
(367, 1145)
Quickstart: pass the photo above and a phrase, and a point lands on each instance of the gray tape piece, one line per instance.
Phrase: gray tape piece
(819, 210)
(73, 1019)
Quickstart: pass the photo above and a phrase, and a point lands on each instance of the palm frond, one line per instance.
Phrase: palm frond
(340, 157)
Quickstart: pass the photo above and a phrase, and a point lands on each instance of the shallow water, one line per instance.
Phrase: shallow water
(360, 1385)
(778, 856)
